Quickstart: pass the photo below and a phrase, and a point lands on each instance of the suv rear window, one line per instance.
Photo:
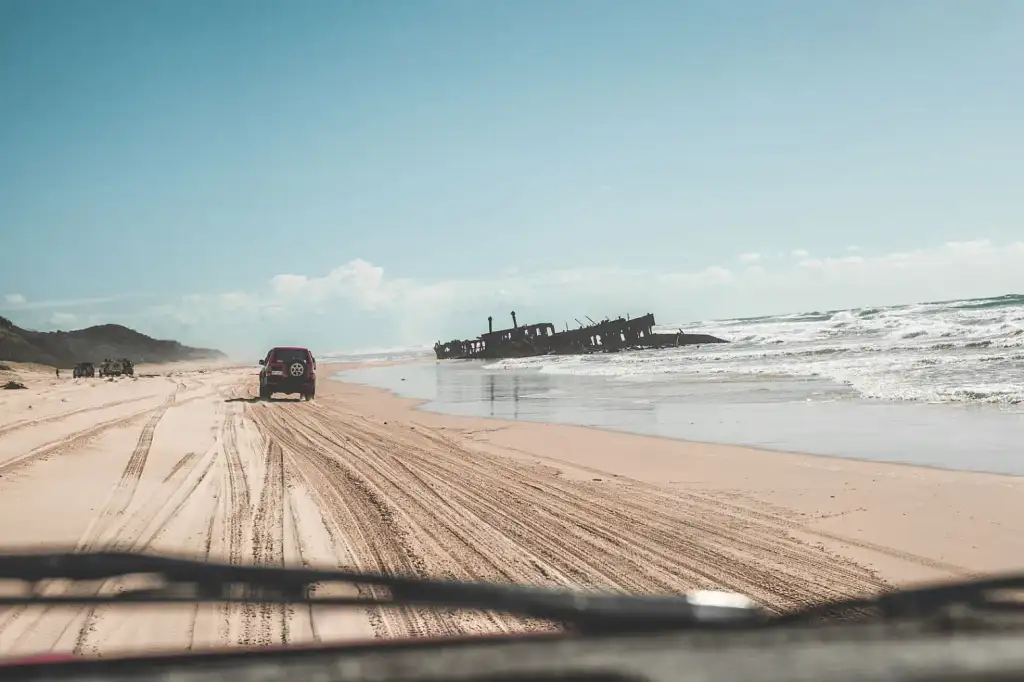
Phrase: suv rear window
(287, 355)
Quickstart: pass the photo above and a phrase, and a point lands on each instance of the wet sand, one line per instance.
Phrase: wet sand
(188, 461)
(785, 414)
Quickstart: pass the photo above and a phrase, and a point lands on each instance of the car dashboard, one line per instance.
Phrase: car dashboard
(884, 651)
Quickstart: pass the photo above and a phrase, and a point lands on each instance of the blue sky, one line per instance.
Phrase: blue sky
(355, 174)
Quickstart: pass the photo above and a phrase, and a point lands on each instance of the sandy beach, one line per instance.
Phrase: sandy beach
(184, 459)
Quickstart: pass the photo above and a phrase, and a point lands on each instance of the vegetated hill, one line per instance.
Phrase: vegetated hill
(93, 344)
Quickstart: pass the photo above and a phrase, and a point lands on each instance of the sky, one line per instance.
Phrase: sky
(359, 174)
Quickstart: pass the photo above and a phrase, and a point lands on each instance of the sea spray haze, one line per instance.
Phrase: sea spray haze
(370, 356)
(966, 351)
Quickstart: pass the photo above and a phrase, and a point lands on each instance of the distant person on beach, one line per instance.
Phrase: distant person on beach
(58, 372)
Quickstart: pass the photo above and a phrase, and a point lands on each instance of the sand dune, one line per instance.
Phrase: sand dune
(188, 461)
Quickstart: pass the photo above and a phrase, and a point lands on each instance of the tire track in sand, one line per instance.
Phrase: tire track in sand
(298, 545)
(29, 423)
(358, 515)
(74, 441)
(261, 621)
(739, 510)
(720, 539)
(124, 489)
(237, 513)
(176, 491)
(118, 503)
(381, 532)
(81, 439)
(786, 572)
(238, 489)
(204, 556)
(533, 531)
(114, 507)
(144, 526)
(425, 504)
(184, 461)
(356, 525)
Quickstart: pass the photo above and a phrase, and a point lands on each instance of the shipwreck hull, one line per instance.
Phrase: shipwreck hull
(607, 336)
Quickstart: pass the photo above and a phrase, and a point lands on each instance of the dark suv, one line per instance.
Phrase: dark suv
(288, 370)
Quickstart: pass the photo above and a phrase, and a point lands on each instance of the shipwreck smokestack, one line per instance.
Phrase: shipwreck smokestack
(490, 324)
(515, 325)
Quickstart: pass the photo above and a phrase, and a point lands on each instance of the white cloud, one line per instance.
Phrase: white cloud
(63, 320)
(358, 280)
(749, 257)
(409, 310)
(714, 275)
(359, 304)
(22, 303)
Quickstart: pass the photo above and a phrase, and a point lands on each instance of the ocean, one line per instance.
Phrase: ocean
(936, 384)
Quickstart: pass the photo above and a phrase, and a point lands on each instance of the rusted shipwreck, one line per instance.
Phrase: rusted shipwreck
(606, 336)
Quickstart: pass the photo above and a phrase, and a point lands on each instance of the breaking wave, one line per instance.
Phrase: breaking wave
(379, 355)
(969, 351)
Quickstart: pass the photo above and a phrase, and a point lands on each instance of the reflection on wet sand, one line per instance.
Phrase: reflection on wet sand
(768, 412)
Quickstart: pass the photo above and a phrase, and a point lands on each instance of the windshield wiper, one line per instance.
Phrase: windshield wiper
(981, 601)
(146, 578)
(161, 579)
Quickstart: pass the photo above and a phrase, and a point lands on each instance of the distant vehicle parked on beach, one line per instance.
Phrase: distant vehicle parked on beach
(111, 368)
(288, 369)
(116, 368)
(83, 369)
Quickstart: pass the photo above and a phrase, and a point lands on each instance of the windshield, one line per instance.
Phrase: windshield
(287, 355)
(638, 298)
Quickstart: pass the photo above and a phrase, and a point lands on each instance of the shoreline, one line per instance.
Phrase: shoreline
(421, 405)
(902, 520)
(194, 464)
(417, 404)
